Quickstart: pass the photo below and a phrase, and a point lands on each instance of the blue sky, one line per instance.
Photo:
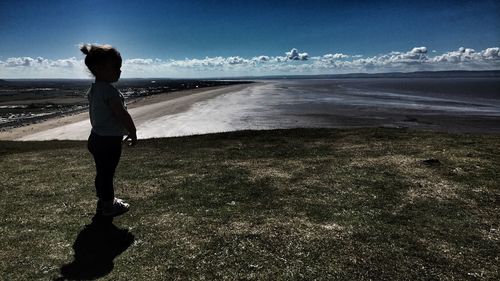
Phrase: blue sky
(179, 30)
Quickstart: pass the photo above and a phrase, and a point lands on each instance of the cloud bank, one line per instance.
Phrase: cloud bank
(292, 62)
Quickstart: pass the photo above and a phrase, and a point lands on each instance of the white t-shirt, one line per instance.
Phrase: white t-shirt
(104, 121)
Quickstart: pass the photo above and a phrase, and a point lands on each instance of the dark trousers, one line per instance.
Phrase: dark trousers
(106, 151)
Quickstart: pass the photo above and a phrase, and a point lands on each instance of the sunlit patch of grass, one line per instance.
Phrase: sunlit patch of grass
(282, 204)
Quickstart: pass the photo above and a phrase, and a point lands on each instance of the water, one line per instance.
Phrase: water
(456, 105)
(453, 104)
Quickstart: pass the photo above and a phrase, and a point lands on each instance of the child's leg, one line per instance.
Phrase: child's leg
(106, 152)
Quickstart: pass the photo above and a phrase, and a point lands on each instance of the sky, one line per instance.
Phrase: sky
(210, 38)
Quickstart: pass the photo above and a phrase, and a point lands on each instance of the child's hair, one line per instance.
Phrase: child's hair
(97, 55)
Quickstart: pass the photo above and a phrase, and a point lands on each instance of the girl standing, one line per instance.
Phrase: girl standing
(110, 122)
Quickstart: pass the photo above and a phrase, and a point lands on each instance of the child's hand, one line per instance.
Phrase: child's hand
(131, 139)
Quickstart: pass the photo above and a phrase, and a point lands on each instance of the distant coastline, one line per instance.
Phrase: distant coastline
(495, 73)
(415, 74)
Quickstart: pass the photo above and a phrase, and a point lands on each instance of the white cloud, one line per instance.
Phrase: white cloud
(461, 55)
(335, 56)
(491, 53)
(138, 61)
(39, 67)
(295, 55)
(467, 57)
(419, 50)
(293, 62)
(261, 58)
(22, 61)
(64, 63)
(236, 60)
(414, 56)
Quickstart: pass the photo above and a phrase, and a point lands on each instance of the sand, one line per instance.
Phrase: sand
(470, 106)
(77, 126)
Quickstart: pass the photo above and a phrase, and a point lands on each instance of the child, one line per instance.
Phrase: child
(110, 122)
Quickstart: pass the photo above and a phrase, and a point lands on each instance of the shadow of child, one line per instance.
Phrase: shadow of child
(95, 249)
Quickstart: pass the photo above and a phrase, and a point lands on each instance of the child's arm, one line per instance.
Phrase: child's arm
(122, 114)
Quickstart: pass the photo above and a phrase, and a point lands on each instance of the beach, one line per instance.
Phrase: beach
(77, 126)
(451, 105)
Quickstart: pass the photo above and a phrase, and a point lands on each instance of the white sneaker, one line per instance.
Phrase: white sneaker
(112, 208)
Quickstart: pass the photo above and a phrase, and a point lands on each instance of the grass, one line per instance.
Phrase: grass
(301, 204)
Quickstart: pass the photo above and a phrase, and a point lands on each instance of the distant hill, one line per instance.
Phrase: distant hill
(417, 74)
(3, 82)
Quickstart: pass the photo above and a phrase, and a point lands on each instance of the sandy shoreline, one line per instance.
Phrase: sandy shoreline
(142, 110)
(282, 104)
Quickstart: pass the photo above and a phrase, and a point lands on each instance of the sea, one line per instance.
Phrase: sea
(449, 104)
(441, 104)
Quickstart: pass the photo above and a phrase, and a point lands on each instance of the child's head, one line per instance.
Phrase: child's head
(103, 61)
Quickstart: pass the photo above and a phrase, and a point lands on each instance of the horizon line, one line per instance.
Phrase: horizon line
(271, 76)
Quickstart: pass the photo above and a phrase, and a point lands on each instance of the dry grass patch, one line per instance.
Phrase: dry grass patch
(301, 204)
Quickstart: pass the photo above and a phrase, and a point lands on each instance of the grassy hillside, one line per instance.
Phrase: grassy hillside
(298, 204)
